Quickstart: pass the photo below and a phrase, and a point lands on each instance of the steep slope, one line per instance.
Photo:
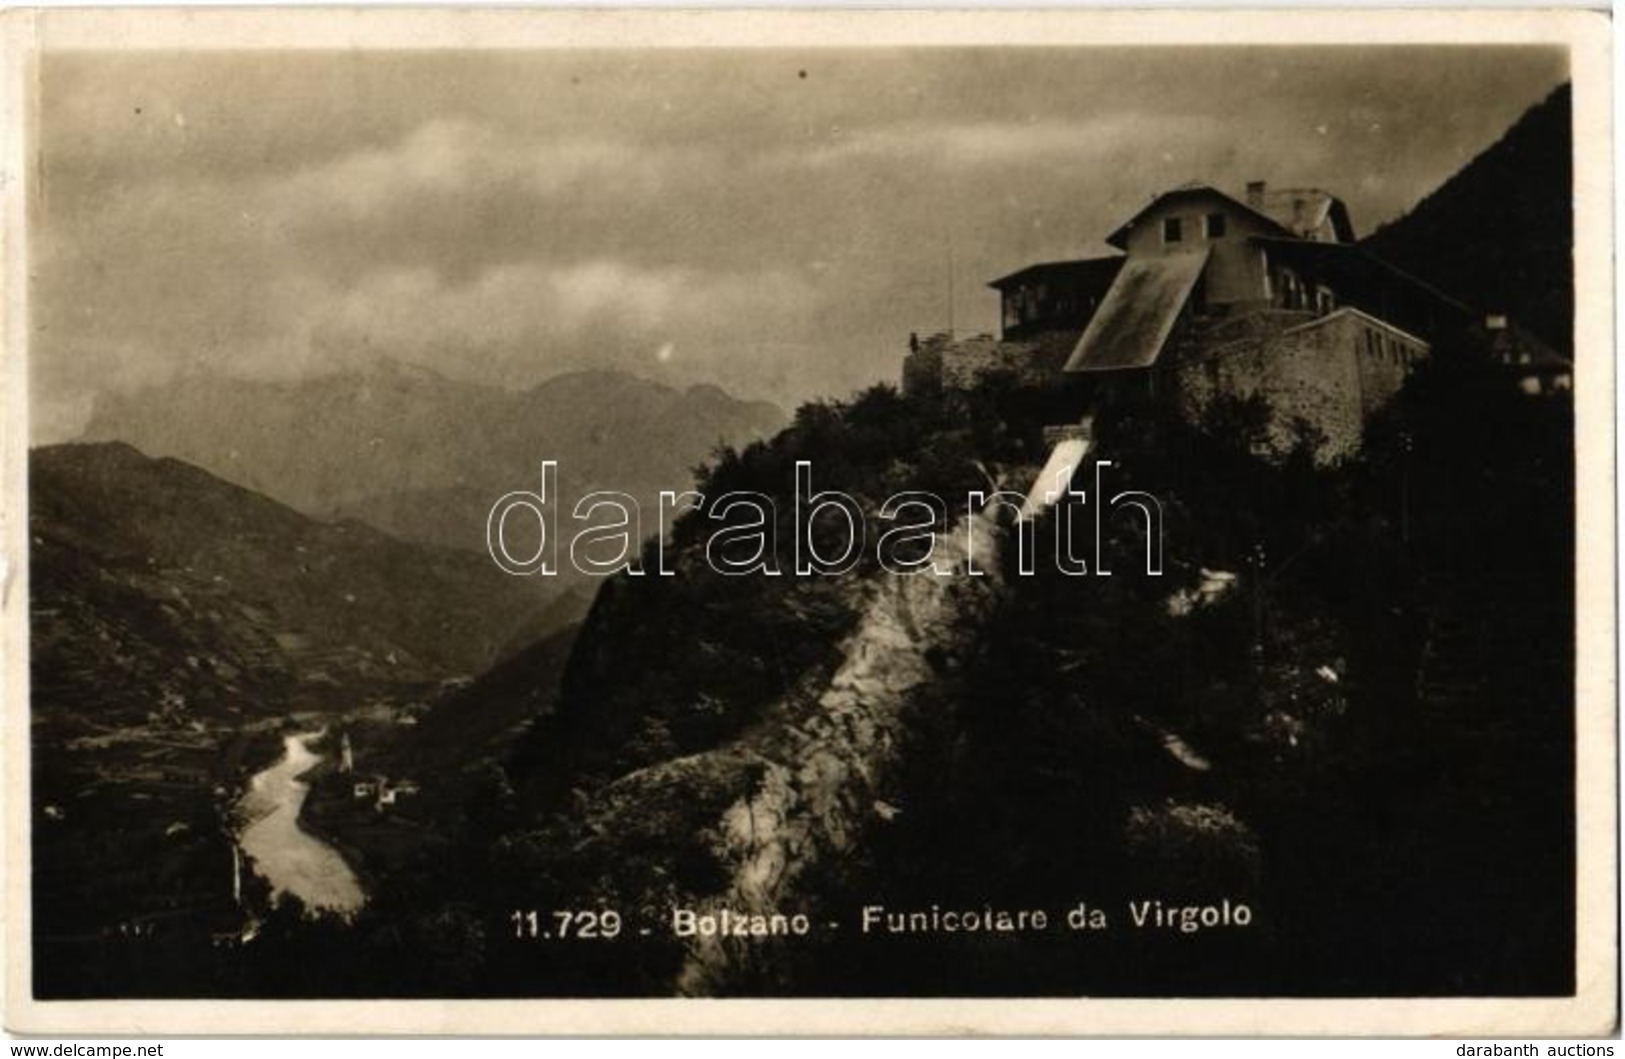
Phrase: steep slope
(152, 577)
(422, 456)
(1499, 235)
(755, 762)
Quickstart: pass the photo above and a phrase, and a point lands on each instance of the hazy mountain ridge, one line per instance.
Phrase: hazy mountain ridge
(130, 551)
(422, 456)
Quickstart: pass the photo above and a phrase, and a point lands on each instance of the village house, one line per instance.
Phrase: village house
(1265, 295)
(382, 791)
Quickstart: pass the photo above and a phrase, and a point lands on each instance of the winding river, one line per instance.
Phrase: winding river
(291, 859)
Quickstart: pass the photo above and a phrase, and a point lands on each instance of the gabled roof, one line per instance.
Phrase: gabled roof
(1292, 212)
(1119, 238)
(1087, 266)
(1304, 210)
(1521, 349)
(1138, 313)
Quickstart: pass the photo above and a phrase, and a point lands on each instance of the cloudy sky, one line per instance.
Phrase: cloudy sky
(776, 222)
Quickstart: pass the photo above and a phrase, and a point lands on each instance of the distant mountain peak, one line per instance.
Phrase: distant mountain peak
(423, 456)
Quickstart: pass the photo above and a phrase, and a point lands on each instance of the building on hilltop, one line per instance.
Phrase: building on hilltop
(1263, 296)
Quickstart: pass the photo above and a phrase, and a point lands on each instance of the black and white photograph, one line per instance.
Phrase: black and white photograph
(670, 508)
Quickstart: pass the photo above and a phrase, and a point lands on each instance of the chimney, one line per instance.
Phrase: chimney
(1255, 193)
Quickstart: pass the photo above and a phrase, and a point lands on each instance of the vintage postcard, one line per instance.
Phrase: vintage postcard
(786, 522)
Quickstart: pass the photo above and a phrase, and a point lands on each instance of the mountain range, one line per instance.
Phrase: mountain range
(155, 582)
(423, 457)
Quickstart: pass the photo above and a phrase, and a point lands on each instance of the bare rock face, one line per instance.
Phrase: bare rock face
(819, 792)
(743, 827)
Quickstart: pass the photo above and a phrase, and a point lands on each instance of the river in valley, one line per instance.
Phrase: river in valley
(291, 859)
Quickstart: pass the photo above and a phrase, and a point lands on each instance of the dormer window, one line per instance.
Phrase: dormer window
(1172, 230)
(1213, 225)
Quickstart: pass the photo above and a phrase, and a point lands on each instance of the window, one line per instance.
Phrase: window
(1172, 230)
(1291, 290)
(1213, 225)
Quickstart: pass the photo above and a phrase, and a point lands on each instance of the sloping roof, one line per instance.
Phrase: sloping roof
(1303, 210)
(1515, 346)
(1138, 312)
(1085, 266)
(1119, 238)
